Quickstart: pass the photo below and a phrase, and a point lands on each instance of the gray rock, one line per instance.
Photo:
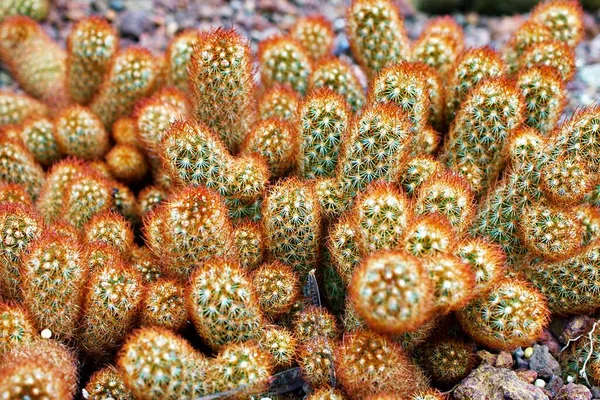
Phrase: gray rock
(543, 362)
(574, 392)
(554, 385)
(595, 392)
(490, 383)
(590, 74)
(135, 22)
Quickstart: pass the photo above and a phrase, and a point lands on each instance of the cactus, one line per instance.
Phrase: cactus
(580, 363)
(488, 116)
(143, 261)
(110, 307)
(150, 197)
(553, 54)
(53, 275)
(323, 117)
(14, 193)
(449, 360)
(439, 44)
(292, 225)
(369, 363)
(392, 291)
(36, 9)
(124, 202)
(127, 163)
(242, 368)
(37, 134)
(313, 322)
(528, 34)
(156, 363)
(280, 343)
(16, 328)
(277, 288)
(85, 197)
(279, 101)
(343, 247)
(220, 72)
(377, 35)
(416, 171)
(238, 319)
(42, 370)
(428, 235)
(487, 262)
(110, 228)
(80, 133)
(589, 216)
(34, 59)
(164, 305)
(274, 140)
(470, 68)
(512, 314)
(178, 58)
(91, 46)
(564, 18)
(19, 227)
(545, 97)
(18, 165)
(316, 360)
(566, 181)
(105, 383)
(338, 76)
(131, 76)
(250, 242)
(326, 393)
(124, 131)
(191, 227)
(285, 61)
(16, 108)
(453, 281)
(448, 195)
(315, 34)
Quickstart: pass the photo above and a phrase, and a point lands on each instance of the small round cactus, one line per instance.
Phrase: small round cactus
(277, 288)
(566, 181)
(448, 360)
(236, 319)
(127, 163)
(106, 383)
(110, 228)
(284, 60)
(376, 33)
(530, 33)
(164, 305)
(338, 76)
(37, 134)
(392, 291)
(85, 197)
(178, 56)
(324, 117)
(80, 133)
(317, 361)
(512, 314)
(18, 165)
(313, 322)
(36, 9)
(487, 261)
(14, 193)
(418, 170)
(150, 197)
(279, 101)
(91, 47)
(16, 328)
(439, 44)
(326, 393)
(280, 343)
(146, 264)
(453, 281)
(156, 363)
(315, 34)
(15, 108)
(343, 247)
(250, 241)
(428, 235)
(124, 132)
(553, 54)
(564, 18)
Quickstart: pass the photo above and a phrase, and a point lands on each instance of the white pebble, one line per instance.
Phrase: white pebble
(540, 383)
(46, 333)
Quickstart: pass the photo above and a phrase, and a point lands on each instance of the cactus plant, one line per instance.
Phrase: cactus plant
(338, 76)
(14, 193)
(107, 382)
(110, 228)
(84, 197)
(17, 328)
(279, 101)
(16, 108)
(439, 44)
(164, 305)
(285, 61)
(449, 360)
(280, 343)
(178, 56)
(564, 18)
(315, 34)
(250, 242)
(277, 288)
(428, 235)
(37, 134)
(487, 262)
(127, 163)
(528, 34)
(36, 9)
(553, 54)
(91, 47)
(18, 165)
(317, 361)
(313, 322)
(80, 133)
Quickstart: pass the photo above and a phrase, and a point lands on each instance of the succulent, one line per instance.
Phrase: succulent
(18, 165)
(279, 101)
(250, 241)
(315, 34)
(146, 264)
(313, 322)
(564, 18)
(164, 305)
(428, 235)
(439, 44)
(15, 108)
(178, 58)
(127, 163)
(280, 343)
(110, 228)
(326, 393)
(84, 197)
(107, 382)
(277, 288)
(487, 261)
(14, 193)
(449, 360)
(37, 134)
(553, 54)
(17, 329)
(338, 76)
(91, 46)
(528, 34)
(80, 133)
(284, 60)
(36, 9)
(453, 281)
(317, 361)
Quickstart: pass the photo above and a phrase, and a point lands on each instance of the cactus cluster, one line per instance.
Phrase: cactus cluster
(216, 222)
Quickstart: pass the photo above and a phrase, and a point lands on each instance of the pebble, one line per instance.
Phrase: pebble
(543, 362)
(573, 392)
(575, 327)
(528, 352)
(504, 360)
(134, 23)
(550, 341)
(527, 375)
(540, 383)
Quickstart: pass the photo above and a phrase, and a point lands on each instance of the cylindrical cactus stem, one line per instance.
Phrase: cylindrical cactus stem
(453, 282)
(279, 101)
(19, 226)
(316, 359)
(545, 97)
(470, 68)
(85, 197)
(292, 224)
(417, 171)
(131, 76)
(53, 283)
(220, 72)
(553, 54)
(283, 60)
(18, 165)
(490, 114)
(178, 56)
(239, 319)
(564, 18)
(338, 76)
(429, 235)
(80, 133)
(127, 163)
(15, 108)
(35, 9)
(146, 263)
(15, 193)
(566, 181)
(315, 34)
(110, 308)
(343, 247)
(44, 369)
(150, 197)
(107, 382)
(392, 291)
(369, 363)
(440, 43)
(35, 60)
(487, 261)
(17, 328)
(589, 216)
(37, 134)
(110, 228)
(528, 34)
(324, 117)
(91, 46)
(249, 239)
(58, 178)
(276, 141)
(191, 227)
(164, 305)
(157, 363)
(512, 314)
(277, 288)
(377, 35)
